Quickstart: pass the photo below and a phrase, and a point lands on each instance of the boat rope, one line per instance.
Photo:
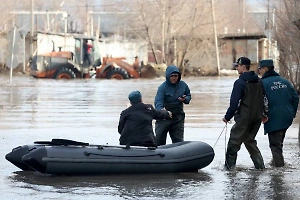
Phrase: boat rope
(225, 128)
(125, 147)
(135, 156)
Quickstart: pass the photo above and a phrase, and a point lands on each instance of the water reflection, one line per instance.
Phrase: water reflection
(127, 186)
(258, 184)
(243, 184)
(277, 185)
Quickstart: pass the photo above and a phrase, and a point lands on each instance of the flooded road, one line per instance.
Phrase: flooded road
(88, 111)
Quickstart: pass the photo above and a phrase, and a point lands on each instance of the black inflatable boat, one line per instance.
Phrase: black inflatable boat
(15, 156)
(67, 157)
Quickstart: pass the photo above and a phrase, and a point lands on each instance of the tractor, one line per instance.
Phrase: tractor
(73, 64)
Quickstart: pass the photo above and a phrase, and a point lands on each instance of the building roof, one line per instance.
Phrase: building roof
(258, 35)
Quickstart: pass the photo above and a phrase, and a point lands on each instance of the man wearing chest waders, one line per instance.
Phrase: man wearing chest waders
(247, 106)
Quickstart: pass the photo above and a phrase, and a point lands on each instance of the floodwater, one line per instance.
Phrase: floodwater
(88, 111)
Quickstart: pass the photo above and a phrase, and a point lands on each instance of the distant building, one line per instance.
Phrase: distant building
(240, 33)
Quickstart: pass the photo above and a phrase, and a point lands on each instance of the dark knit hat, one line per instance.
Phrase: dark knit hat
(242, 61)
(135, 96)
(266, 63)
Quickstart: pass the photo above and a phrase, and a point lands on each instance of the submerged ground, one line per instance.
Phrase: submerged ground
(88, 110)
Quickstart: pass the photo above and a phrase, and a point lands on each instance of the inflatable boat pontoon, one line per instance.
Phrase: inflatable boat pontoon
(67, 157)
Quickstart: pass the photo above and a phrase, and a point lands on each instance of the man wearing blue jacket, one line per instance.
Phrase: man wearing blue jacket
(171, 95)
(283, 104)
(247, 108)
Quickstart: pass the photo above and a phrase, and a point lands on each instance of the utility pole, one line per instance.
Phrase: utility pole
(163, 33)
(31, 31)
(243, 10)
(48, 21)
(215, 35)
(269, 32)
(98, 31)
(87, 21)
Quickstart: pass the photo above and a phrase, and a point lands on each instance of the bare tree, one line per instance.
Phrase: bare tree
(6, 24)
(169, 26)
(287, 35)
(6, 18)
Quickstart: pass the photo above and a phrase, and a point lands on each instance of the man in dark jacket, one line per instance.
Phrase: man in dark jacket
(283, 104)
(247, 107)
(135, 124)
(171, 95)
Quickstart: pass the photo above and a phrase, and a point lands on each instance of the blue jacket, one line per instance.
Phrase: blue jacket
(283, 101)
(168, 93)
(237, 93)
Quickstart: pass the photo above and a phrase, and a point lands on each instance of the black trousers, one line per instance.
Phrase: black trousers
(276, 139)
(243, 132)
(174, 126)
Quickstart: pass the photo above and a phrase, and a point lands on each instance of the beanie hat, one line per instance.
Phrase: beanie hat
(135, 96)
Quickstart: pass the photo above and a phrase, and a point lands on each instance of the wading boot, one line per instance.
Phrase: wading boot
(230, 162)
(278, 160)
(258, 162)
(272, 163)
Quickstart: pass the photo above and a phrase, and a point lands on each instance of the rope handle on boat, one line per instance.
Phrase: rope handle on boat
(124, 147)
(136, 156)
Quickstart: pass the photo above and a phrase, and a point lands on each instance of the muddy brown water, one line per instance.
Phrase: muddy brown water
(88, 110)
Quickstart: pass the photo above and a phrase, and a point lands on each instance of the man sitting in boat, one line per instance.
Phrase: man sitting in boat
(135, 124)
